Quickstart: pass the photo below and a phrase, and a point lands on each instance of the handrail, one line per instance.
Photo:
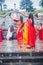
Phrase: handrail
(12, 12)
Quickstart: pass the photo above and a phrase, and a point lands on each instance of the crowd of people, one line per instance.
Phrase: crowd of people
(26, 32)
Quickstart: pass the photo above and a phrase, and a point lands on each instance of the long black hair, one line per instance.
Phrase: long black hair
(21, 19)
(31, 16)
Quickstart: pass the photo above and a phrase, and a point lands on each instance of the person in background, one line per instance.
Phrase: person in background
(0, 33)
(9, 34)
(40, 32)
(12, 31)
(31, 32)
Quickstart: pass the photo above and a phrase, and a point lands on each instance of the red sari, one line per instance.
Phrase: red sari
(0, 34)
(40, 33)
(31, 34)
(20, 34)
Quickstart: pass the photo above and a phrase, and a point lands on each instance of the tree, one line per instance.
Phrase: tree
(27, 5)
(41, 3)
(1, 1)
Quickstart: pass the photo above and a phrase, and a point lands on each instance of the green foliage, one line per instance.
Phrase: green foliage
(2, 12)
(27, 5)
(37, 11)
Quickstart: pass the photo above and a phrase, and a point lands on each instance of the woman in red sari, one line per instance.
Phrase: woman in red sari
(19, 29)
(31, 31)
(41, 32)
(20, 32)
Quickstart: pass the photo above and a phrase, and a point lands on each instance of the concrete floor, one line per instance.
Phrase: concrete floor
(12, 46)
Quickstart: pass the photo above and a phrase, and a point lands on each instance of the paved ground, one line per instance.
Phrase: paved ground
(12, 46)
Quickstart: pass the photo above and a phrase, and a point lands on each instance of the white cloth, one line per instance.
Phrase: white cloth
(9, 34)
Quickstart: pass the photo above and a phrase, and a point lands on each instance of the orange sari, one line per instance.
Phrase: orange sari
(25, 34)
